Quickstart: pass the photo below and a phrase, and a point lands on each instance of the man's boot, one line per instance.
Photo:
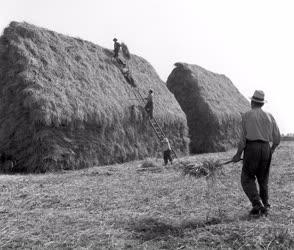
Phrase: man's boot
(257, 209)
(264, 211)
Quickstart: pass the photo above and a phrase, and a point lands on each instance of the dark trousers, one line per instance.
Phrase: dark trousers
(149, 109)
(167, 156)
(115, 53)
(256, 165)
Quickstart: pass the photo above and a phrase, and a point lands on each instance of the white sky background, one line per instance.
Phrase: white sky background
(251, 42)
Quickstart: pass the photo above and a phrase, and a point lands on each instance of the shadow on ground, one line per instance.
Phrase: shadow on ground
(155, 229)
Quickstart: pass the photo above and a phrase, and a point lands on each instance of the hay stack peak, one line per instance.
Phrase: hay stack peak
(212, 105)
(65, 104)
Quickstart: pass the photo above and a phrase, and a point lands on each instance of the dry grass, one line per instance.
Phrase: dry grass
(116, 207)
(212, 105)
(66, 105)
(208, 169)
(150, 166)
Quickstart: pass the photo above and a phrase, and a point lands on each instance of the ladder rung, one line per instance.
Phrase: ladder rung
(159, 133)
(157, 129)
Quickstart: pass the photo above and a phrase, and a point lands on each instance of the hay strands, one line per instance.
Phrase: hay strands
(207, 169)
(125, 51)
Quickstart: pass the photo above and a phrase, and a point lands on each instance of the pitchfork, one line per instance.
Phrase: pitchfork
(230, 161)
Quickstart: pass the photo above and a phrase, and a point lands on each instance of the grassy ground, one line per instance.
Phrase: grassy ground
(130, 207)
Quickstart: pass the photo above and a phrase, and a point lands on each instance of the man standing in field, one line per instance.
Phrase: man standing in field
(259, 128)
(166, 151)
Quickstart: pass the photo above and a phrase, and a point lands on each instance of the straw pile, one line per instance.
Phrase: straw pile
(125, 51)
(213, 106)
(65, 104)
(208, 169)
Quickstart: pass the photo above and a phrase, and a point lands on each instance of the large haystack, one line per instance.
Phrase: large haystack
(66, 105)
(212, 105)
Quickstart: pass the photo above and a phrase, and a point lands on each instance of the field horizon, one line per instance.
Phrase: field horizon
(135, 206)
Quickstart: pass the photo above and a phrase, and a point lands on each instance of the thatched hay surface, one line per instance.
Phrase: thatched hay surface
(213, 106)
(65, 103)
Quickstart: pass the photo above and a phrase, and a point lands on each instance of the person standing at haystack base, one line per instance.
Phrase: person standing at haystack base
(259, 128)
(116, 48)
(149, 104)
(166, 151)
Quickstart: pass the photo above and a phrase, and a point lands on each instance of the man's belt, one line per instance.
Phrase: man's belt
(255, 141)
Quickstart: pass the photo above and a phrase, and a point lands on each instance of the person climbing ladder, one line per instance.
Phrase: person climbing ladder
(123, 66)
(128, 76)
(149, 104)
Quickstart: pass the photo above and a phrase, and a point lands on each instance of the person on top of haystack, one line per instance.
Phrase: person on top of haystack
(149, 104)
(116, 48)
(259, 128)
(166, 151)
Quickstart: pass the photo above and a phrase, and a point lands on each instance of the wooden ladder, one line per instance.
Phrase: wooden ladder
(154, 124)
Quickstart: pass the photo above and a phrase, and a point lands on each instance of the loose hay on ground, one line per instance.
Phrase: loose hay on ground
(208, 169)
(150, 166)
(128, 210)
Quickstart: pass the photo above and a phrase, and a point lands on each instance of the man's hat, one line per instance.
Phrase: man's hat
(258, 96)
(114, 39)
(150, 91)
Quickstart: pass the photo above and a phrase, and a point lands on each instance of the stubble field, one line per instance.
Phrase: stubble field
(130, 207)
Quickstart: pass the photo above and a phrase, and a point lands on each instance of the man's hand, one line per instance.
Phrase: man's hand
(236, 158)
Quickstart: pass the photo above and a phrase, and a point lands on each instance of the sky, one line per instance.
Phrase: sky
(251, 42)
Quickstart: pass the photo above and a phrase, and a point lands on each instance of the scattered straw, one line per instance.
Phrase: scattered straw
(150, 166)
(208, 169)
